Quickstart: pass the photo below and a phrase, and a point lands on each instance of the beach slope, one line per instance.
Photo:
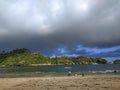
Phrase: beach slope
(61, 83)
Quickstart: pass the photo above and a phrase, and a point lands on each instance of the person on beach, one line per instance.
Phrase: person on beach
(83, 74)
(69, 73)
(76, 74)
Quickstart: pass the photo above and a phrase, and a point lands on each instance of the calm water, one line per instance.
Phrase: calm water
(59, 70)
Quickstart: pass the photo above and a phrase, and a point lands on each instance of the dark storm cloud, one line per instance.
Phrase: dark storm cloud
(46, 24)
(108, 53)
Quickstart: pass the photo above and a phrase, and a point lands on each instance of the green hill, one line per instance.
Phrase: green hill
(116, 61)
(24, 57)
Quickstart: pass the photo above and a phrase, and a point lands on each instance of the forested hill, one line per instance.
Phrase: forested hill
(24, 57)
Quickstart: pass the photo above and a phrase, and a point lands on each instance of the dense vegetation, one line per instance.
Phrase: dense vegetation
(116, 61)
(23, 57)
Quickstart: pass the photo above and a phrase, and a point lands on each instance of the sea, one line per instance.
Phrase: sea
(59, 70)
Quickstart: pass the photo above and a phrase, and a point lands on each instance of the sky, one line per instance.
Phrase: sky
(62, 27)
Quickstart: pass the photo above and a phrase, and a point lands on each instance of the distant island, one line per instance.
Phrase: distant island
(24, 57)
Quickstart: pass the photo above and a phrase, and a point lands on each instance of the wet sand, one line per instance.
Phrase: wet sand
(61, 83)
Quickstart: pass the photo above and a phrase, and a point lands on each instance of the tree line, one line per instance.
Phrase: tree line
(24, 57)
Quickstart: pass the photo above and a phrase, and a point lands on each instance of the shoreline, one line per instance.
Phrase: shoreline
(35, 65)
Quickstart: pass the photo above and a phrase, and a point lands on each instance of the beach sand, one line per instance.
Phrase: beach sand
(61, 83)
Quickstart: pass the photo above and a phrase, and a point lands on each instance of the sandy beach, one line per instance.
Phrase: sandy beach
(61, 83)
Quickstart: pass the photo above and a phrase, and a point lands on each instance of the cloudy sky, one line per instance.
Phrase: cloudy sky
(62, 27)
